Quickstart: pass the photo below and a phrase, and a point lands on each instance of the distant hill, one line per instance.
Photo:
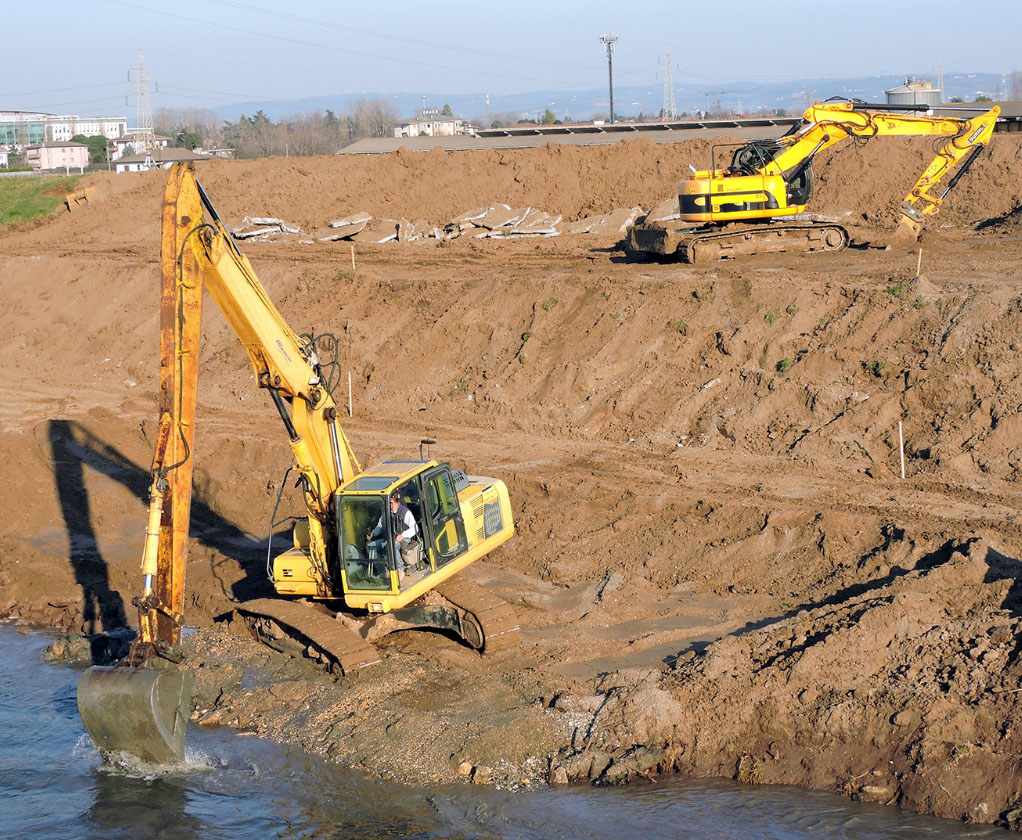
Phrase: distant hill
(739, 97)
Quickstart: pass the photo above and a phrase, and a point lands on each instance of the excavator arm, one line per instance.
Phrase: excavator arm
(756, 204)
(766, 180)
(141, 704)
(829, 123)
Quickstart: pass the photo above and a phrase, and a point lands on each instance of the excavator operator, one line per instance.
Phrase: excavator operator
(403, 526)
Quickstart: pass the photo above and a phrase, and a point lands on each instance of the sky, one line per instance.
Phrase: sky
(208, 53)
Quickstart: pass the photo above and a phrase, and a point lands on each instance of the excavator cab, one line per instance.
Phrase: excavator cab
(455, 518)
(366, 532)
(142, 705)
(751, 158)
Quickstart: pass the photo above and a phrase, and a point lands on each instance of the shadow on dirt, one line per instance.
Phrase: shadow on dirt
(892, 535)
(1014, 215)
(74, 448)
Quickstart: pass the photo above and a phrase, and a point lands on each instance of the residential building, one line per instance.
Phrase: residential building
(430, 123)
(131, 144)
(66, 156)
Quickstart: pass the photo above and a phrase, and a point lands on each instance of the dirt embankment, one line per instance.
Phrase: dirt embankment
(718, 567)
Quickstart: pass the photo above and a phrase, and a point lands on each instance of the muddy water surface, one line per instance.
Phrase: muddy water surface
(54, 785)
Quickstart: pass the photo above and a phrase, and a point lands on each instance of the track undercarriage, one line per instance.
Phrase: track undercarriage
(710, 242)
(341, 643)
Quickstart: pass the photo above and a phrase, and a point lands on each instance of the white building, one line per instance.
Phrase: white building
(64, 127)
(131, 144)
(163, 158)
(27, 128)
(430, 123)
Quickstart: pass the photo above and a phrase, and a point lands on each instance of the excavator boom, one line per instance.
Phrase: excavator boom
(141, 705)
(758, 202)
(346, 549)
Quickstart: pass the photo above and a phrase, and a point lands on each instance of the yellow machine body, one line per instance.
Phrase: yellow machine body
(773, 179)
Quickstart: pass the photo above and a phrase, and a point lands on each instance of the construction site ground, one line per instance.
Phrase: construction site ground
(718, 567)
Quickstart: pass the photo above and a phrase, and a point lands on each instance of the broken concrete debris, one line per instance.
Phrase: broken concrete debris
(377, 231)
(263, 227)
(496, 221)
(502, 222)
(350, 221)
(666, 211)
(615, 222)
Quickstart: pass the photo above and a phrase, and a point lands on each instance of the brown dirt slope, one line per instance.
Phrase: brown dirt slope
(718, 567)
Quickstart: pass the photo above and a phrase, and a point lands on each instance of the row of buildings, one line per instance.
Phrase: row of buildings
(43, 142)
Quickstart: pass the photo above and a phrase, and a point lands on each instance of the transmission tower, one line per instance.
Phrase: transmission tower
(144, 131)
(608, 42)
(670, 109)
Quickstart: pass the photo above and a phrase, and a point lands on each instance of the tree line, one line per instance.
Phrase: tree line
(255, 136)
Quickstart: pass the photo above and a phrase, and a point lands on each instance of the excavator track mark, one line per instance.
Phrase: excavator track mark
(494, 616)
(341, 645)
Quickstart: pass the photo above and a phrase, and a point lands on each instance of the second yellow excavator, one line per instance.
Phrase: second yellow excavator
(757, 204)
(383, 543)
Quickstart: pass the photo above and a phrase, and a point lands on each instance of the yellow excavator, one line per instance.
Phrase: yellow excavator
(757, 204)
(377, 551)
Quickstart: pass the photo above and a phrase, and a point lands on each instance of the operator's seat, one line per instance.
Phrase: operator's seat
(409, 495)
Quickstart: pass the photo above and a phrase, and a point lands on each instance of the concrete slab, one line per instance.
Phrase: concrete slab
(347, 231)
(348, 221)
(666, 211)
(377, 231)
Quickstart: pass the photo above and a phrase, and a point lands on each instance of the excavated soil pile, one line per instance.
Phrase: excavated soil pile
(718, 567)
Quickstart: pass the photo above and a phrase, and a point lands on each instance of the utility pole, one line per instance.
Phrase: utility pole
(144, 130)
(608, 43)
(670, 109)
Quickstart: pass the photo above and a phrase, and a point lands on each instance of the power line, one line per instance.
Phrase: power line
(62, 90)
(331, 48)
(401, 38)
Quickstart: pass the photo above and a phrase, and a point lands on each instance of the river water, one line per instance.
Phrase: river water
(54, 786)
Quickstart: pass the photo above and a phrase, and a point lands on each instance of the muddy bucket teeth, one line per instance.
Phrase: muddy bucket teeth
(140, 711)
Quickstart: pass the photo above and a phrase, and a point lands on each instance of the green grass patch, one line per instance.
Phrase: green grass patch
(783, 365)
(24, 199)
(877, 367)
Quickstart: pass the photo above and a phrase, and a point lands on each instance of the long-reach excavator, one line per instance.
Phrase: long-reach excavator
(757, 203)
(354, 550)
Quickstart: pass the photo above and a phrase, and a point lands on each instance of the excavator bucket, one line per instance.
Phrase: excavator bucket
(906, 235)
(141, 711)
(80, 198)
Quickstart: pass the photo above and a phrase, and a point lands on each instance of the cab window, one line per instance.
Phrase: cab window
(367, 561)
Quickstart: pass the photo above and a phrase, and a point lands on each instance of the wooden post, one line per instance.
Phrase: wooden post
(919, 262)
(901, 447)
(352, 257)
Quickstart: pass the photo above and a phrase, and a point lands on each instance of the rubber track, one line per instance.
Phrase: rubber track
(349, 649)
(794, 234)
(499, 622)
